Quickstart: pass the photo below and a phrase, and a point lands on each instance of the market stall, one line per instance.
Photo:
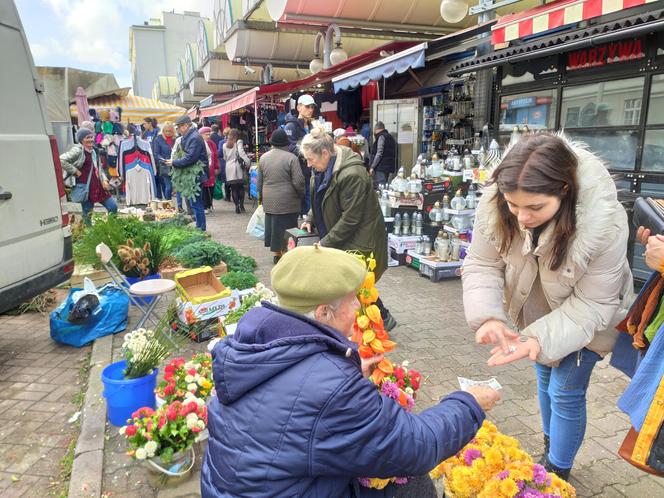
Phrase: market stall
(134, 108)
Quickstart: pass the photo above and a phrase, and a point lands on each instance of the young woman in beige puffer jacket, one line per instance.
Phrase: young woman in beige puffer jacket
(548, 256)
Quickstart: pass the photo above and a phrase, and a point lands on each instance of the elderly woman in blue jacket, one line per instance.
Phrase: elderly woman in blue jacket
(294, 413)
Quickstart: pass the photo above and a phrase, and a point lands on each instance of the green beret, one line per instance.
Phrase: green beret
(308, 276)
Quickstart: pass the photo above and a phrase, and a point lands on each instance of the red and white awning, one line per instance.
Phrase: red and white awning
(554, 15)
(242, 100)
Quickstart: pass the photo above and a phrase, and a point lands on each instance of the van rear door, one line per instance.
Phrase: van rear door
(32, 236)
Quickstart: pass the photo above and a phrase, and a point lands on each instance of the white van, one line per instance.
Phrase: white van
(35, 237)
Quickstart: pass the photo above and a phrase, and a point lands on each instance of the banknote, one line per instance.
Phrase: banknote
(466, 383)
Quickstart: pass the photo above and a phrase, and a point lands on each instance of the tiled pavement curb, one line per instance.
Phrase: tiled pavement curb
(87, 470)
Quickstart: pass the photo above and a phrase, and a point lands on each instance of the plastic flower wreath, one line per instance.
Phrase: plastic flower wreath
(525, 480)
(368, 330)
(369, 333)
(193, 376)
(493, 465)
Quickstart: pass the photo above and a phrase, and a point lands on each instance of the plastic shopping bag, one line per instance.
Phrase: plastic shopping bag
(218, 193)
(109, 317)
(256, 226)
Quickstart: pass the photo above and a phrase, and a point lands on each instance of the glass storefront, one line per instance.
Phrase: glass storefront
(618, 111)
(536, 110)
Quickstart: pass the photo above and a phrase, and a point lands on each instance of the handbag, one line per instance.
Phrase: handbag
(649, 213)
(243, 164)
(80, 191)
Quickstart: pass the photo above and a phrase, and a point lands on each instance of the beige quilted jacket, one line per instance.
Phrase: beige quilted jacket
(588, 295)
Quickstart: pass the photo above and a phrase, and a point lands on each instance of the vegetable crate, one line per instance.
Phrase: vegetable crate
(200, 331)
(200, 286)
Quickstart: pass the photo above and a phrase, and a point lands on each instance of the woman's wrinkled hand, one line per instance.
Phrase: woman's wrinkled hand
(368, 364)
(485, 396)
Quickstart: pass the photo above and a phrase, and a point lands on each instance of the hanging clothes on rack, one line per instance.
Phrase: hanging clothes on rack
(136, 153)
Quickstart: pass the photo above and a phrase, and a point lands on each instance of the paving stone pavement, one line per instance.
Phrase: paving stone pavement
(38, 382)
(432, 335)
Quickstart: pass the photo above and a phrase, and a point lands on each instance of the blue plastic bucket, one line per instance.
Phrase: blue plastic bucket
(147, 299)
(125, 396)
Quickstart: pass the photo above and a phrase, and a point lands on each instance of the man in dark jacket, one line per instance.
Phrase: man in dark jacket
(294, 413)
(215, 136)
(194, 149)
(296, 128)
(383, 155)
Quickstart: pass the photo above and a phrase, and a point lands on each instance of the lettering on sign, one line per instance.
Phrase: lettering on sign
(602, 55)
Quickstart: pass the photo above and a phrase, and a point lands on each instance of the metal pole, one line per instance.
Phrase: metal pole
(256, 127)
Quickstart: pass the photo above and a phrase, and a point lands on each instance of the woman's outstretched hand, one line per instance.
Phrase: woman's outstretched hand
(495, 332)
(522, 347)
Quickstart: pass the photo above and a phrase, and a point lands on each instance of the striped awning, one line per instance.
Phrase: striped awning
(554, 15)
(134, 108)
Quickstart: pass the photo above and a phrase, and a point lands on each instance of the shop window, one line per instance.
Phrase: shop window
(609, 103)
(632, 111)
(653, 152)
(655, 190)
(572, 116)
(616, 147)
(656, 103)
(534, 109)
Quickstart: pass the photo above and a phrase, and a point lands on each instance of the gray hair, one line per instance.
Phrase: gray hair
(234, 133)
(317, 140)
(334, 305)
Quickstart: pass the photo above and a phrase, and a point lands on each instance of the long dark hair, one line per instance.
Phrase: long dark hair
(540, 163)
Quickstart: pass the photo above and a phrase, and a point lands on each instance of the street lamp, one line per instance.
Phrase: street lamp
(316, 64)
(331, 56)
(453, 11)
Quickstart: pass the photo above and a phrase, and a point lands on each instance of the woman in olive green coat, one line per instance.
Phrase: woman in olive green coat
(344, 207)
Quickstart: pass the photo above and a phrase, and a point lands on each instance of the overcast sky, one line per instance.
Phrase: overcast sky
(93, 34)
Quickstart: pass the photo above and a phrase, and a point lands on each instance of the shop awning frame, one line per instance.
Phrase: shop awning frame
(555, 15)
(637, 25)
(411, 58)
(242, 100)
(326, 75)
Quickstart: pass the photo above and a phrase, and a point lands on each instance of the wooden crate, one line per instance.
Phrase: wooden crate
(98, 277)
(170, 271)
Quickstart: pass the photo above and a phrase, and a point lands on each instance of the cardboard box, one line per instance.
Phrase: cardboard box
(296, 237)
(170, 271)
(401, 243)
(438, 270)
(191, 313)
(199, 286)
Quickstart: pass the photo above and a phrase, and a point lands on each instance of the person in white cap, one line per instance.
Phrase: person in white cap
(296, 128)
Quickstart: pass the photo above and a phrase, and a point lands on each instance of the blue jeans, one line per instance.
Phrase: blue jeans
(562, 400)
(196, 204)
(87, 206)
(164, 187)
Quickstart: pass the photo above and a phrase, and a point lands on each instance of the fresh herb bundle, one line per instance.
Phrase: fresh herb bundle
(185, 180)
(239, 280)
